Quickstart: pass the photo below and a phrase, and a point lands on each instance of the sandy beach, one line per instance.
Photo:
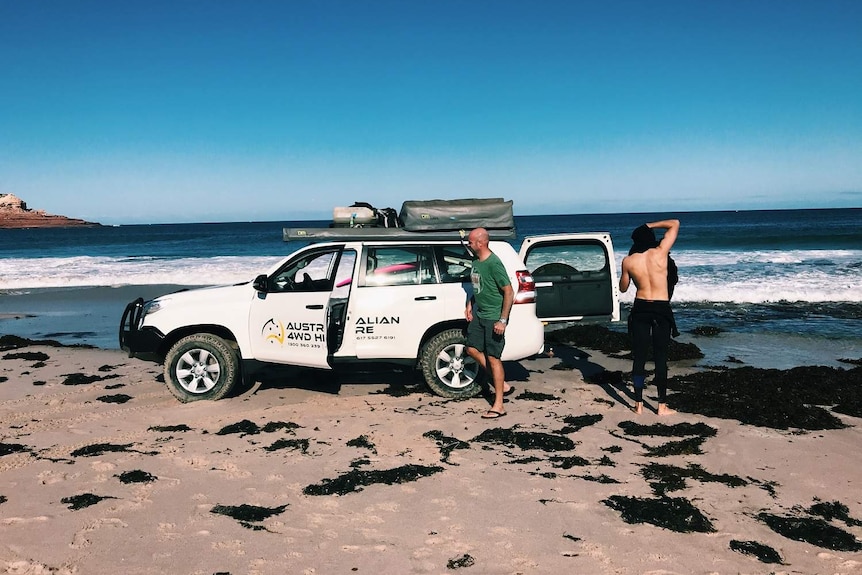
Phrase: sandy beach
(103, 471)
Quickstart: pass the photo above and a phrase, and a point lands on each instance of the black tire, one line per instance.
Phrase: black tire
(447, 368)
(201, 366)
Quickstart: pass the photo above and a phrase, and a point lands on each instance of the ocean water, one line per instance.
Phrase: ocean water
(766, 278)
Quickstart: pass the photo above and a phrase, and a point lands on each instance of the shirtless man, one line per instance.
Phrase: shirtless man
(651, 318)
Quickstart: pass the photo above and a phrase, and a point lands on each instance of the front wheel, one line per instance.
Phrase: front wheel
(201, 366)
(447, 368)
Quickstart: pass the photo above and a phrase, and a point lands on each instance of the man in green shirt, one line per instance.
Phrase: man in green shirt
(488, 314)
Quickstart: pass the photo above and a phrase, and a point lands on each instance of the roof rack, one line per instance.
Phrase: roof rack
(376, 234)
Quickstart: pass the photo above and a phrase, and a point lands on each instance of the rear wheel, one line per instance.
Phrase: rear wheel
(447, 368)
(201, 366)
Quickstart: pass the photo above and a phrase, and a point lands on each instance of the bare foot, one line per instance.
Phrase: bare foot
(665, 410)
(638, 408)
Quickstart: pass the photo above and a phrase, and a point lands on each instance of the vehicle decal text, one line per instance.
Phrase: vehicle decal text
(274, 332)
(367, 324)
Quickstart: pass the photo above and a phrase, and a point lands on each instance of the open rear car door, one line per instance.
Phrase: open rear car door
(575, 276)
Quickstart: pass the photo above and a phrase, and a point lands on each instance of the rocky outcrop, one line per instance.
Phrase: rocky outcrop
(15, 214)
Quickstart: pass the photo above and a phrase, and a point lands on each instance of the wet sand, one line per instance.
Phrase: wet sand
(102, 470)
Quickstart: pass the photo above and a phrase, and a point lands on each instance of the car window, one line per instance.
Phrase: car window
(409, 265)
(311, 272)
(454, 263)
(564, 259)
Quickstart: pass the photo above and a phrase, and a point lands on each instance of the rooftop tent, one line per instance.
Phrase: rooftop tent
(426, 220)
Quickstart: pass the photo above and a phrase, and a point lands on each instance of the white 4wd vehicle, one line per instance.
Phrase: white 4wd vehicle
(341, 303)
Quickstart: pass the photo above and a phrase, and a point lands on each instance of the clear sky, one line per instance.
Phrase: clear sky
(151, 111)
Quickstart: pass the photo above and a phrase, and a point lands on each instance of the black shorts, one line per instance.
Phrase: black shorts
(480, 335)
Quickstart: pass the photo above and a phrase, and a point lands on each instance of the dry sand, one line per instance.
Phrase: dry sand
(103, 471)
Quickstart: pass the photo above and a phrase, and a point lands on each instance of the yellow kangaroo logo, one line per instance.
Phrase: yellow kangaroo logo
(275, 329)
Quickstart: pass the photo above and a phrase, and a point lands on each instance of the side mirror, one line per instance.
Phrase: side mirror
(260, 283)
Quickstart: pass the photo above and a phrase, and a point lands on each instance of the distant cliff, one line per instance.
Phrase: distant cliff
(15, 214)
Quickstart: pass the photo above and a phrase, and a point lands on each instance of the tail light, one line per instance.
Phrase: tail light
(526, 287)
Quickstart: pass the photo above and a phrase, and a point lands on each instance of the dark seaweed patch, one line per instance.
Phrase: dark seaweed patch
(834, 510)
(525, 460)
(571, 537)
(689, 446)
(526, 439)
(81, 379)
(612, 449)
(536, 396)
(9, 448)
(106, 367)
(354, 480)
(170, 428)
(445, 443)
(400, 390)
(274, 426)
(301, 444)
(606, 461)
(115, 386)
(248, 514)
(857, 361)
(764, 553)
(101, 448)
(359, 462)
(3, 499)
(8, 342)
(562, 367)
(811, 530)
(598, 478)
(244, 427)
(463, 561)
(136, 476)
(662, 430)
(673, 513)
(3, 378)
(560, 462)
(577, 422)
(780, 399)
(363, 442)
(117, 398)
(666, 478)
(28, 356)
(77, 502)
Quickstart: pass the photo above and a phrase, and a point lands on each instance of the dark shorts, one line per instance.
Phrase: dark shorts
(480, 335)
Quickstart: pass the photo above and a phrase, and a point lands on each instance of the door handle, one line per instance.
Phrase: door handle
(317, 306)
(425, 298)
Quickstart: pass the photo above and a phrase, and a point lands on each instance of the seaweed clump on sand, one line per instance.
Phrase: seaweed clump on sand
(834, 510)
(687, 446)
(355, 480)
(673, 513)
(815, 531)
(764, 553)
(666, 478)
(683, 429)
(136, 476)
(77, 502)
(248, 514)
(446, 444)
(463, 561)
(576, 423)
(294, 444)
(526, 439)
(614, 343)
(28, 356)
(780, 399)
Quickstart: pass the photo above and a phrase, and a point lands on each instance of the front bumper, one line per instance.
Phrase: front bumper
(144, 343)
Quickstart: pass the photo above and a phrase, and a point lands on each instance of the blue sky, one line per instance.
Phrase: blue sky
(196, 111)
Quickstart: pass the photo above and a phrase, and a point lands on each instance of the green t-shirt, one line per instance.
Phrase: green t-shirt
(488, 278)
